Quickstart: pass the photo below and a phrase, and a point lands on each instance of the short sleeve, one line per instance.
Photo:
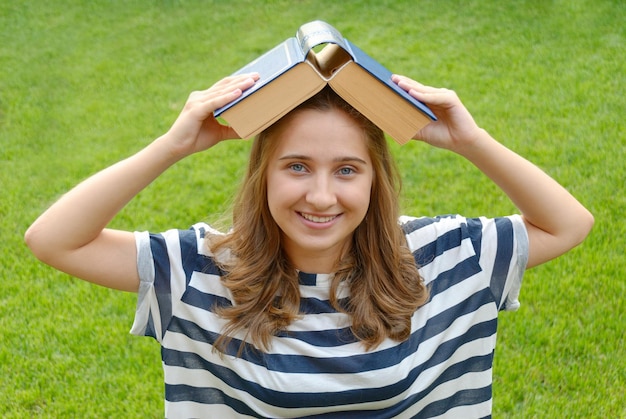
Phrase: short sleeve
(147, 301)
(163, 278)
(493, 251)
(502, 247)
(166, 263)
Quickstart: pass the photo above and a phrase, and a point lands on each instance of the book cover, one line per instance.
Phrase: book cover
(384, 75)
(293, 71)
(270, 65)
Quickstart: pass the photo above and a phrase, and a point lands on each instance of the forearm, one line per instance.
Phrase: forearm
(72, 235)
(80, 215)
(554, 219)
(561, 222)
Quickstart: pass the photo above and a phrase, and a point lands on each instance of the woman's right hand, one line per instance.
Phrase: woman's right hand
(196, 129)
(72, 236)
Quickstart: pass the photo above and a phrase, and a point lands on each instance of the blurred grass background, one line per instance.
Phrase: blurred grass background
(84, 84)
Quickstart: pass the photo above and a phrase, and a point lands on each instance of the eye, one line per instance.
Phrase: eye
(346, 171)
(297, 167)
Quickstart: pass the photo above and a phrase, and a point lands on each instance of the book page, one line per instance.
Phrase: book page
(329, 60)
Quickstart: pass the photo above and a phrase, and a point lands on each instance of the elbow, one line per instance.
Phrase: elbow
(546, 245)
(579, 231)
(35, 242)
(586, 224)
(30, 238)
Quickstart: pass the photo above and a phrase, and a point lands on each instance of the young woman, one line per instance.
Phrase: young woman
(321, 300)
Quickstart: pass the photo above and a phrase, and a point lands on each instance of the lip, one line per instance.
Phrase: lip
(318, 220)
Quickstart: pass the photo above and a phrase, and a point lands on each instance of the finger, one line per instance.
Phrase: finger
(241, 81)
(435, 97)
(226, 86)
(205, 102)
(216, 101)
(410, 84)
(219, 96)
(406, 81)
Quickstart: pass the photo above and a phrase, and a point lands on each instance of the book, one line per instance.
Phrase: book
(298, 68)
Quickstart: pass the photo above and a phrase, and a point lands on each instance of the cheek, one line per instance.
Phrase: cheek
(273, 201)
(280, 194)
(273, 186)
(358, 197)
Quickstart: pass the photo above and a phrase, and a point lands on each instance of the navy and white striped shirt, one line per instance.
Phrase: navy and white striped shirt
(473, 268)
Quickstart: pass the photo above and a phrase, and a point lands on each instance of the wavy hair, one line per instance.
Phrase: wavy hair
(385, 287)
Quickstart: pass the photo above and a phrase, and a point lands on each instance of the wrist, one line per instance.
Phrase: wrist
(475, 144)
(167, 150)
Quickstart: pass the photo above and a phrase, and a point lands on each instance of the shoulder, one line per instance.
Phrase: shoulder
(436, 235)
(428, 228)
(177, 244)
(421, 231)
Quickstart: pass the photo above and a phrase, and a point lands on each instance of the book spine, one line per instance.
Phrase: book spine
(317, 33)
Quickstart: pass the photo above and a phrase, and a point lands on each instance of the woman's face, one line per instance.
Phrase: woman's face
(319, 181)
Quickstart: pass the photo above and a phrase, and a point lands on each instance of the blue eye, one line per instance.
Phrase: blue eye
(346, 171)
(297, 167)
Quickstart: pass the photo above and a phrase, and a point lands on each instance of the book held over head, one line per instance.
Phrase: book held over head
(293, 71)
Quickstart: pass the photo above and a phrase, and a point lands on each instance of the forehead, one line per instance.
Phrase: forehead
(329, 133)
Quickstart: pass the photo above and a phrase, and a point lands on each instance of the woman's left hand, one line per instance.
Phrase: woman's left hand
(455, 127)
(555, 220)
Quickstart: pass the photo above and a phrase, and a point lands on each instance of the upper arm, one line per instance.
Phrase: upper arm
(110, 260)
(545, 246)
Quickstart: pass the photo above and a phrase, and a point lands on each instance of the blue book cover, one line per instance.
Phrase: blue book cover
(336, 52)
(270, 66)
(287, 55)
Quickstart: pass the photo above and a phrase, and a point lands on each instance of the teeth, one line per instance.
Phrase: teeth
(316, 219)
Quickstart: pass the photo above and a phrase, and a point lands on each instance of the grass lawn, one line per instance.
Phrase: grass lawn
(86, 83)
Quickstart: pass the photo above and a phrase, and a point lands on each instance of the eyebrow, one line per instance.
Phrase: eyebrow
(336, 160)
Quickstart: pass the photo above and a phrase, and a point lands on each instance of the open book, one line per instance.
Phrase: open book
(293, 71)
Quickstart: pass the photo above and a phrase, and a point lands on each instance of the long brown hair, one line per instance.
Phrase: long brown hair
(385, 287)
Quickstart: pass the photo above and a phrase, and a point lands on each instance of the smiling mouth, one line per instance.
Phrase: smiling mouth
(316, 219)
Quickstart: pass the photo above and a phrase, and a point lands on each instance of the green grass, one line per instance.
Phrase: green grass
(84, 84)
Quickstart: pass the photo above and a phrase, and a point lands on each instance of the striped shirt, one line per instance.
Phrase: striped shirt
(316, 368)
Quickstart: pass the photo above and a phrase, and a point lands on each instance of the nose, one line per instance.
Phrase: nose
(321, 194)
